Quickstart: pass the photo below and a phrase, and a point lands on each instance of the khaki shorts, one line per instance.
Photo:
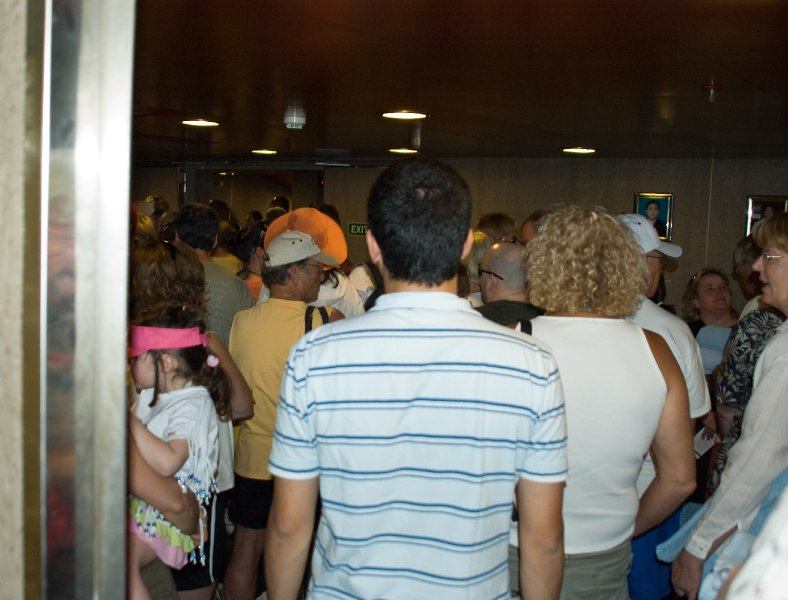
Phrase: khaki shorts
(600, 575)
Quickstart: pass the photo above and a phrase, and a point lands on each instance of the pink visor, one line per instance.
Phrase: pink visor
(142, 339)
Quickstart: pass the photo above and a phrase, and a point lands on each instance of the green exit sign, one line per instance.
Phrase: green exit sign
(356, 228)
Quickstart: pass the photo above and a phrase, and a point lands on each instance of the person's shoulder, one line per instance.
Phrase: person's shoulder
(652, 317)
(760, 319)
(777, 346)
(253, 312)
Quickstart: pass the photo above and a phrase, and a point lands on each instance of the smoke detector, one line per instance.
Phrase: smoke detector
(295, 117)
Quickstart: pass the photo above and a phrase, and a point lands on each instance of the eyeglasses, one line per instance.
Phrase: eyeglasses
(769, 257)
(490, 273)
(318, 266)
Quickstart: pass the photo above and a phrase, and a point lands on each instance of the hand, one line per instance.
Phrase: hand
(725, 415)
(686, 575)
(709, 425)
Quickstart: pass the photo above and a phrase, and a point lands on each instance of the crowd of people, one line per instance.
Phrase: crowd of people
(475, 412)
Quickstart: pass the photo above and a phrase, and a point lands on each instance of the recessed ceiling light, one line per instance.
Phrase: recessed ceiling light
(579, 150)
(403, 150)
(405, 115)
(200, 123)
(264, 151)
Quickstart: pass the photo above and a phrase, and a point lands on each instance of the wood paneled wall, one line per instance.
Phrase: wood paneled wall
(710, 196)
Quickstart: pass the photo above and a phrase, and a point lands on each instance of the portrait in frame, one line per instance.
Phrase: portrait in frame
(657, 208)
(762, 207)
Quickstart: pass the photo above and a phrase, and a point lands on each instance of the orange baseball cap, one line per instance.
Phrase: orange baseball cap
(325, 232)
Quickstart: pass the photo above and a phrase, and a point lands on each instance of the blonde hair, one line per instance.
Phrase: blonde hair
(772, 232)
(584, 260)
(481, 243)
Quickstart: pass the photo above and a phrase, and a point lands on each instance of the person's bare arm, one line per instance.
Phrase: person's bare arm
(671, 448)
(165, 457)
(289, 535)
(336, 315)
(162, 492)
(541, 537)
(241, 402)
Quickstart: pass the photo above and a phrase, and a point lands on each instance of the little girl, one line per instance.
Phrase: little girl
(174, 425)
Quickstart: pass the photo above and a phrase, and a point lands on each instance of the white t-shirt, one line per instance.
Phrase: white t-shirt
(188, 414)
(614, 396)
(685, 348)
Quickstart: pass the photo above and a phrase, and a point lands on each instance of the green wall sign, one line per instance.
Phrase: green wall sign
(356, 228)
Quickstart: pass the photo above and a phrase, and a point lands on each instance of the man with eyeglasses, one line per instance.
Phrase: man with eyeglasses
(502, 279)
(260, 339)
(649, 579)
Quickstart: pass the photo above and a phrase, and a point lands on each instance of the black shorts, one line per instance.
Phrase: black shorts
(196, 576)
(252, 500)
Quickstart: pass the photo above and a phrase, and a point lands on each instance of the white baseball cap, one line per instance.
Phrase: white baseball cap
(646, 236)
(292, 246)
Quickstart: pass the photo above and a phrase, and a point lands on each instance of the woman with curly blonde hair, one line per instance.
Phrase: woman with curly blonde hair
(624, 395)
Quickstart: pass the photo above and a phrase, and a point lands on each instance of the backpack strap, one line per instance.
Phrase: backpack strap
(377, 276)
(310, 310)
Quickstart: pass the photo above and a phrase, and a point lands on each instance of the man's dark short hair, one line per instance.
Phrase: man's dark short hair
(197, 225)
(419, 211)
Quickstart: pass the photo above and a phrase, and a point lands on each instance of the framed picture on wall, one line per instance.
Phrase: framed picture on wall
(657, 208)
(763, 207)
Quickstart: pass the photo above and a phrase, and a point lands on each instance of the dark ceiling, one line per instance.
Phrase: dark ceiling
(499, 78)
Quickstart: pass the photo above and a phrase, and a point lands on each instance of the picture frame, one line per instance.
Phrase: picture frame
(760, 207)
(657, 208)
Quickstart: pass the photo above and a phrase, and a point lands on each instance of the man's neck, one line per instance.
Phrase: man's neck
(723, 319)
(285, 292)
(523, 298)
(397, 285)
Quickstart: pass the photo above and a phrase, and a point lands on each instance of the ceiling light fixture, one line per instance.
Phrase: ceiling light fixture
(578, 150)
(295, 117)
(406, 115)
(403, 150)
(265, 151)
(200, 123)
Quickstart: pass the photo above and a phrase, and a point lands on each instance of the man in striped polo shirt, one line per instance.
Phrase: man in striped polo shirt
(417, 423)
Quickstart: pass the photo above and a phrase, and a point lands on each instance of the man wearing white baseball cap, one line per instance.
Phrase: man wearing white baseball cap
(649, 579)
(260, 340)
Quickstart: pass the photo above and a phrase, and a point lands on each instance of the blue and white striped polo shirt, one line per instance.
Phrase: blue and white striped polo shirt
(419, 417)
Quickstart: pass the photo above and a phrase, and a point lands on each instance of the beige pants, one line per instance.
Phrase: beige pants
(601, 575)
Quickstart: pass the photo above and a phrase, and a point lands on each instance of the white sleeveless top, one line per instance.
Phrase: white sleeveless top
(614, 396)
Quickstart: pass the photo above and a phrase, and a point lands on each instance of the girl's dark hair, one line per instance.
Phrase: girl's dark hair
(192, 361)
(332, 277)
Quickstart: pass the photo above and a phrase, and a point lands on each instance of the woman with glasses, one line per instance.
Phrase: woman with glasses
(625, 395)
(761, 453)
